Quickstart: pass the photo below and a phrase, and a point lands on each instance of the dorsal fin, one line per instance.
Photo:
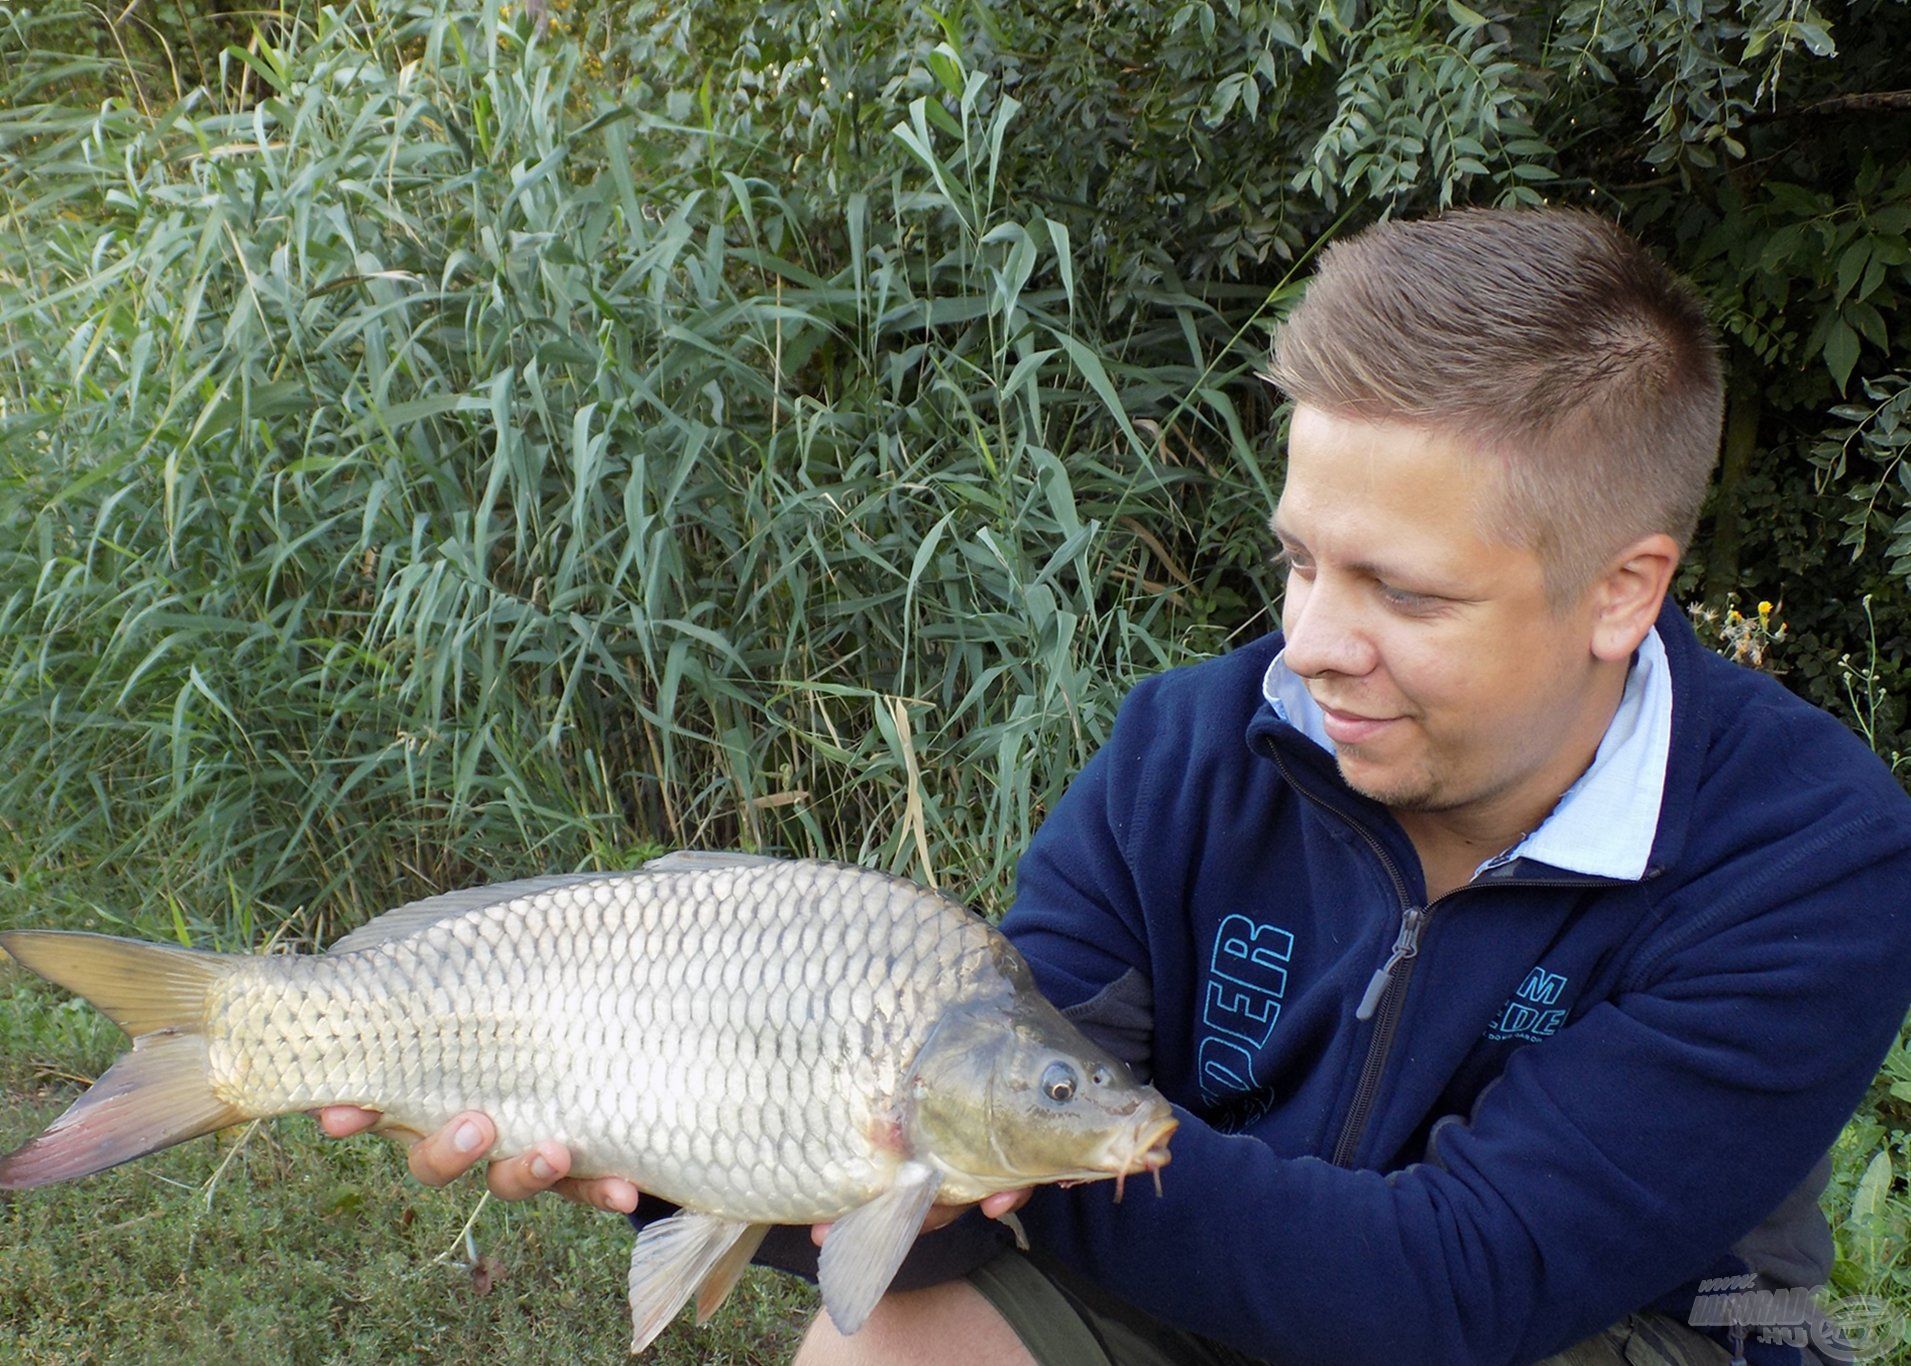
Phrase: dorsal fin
(416, 915)
(703, 860)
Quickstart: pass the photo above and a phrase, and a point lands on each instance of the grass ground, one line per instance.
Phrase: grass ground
(278, 1245)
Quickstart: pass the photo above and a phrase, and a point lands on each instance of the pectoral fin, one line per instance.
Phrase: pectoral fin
(865, 1246)
(672, 1258)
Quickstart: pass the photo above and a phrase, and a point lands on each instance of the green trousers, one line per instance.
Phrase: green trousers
(1065, 1321)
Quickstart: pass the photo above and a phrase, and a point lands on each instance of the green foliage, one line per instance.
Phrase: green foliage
(1870, 1216)
(1429, 104)
(150, 54)
(1204, 149)
(421, 462)
(1705, 68)
(424, 475)
(1879, 436)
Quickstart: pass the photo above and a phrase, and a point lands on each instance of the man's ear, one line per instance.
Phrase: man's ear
(1627, 594)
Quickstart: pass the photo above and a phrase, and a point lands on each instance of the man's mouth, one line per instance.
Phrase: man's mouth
(1351, 728)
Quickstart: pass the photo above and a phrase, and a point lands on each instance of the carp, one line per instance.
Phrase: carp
(761, 1041)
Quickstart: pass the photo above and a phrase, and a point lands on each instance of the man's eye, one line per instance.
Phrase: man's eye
(1289, 563)
(1405, 601)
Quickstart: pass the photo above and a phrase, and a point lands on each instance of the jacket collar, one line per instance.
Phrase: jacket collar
(1690, 662)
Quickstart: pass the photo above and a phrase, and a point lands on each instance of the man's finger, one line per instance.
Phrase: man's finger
(611, 1193)
(342, 1121)
(451, 1152)
(1005, 1202)
(536, 1169)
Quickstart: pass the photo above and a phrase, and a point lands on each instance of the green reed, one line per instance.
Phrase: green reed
(439, 467)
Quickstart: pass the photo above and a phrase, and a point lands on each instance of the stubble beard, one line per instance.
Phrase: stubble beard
(1419, 789)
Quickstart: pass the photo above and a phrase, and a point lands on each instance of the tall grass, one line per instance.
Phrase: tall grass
(435, 469)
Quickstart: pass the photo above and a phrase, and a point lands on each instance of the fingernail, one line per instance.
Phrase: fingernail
(466, 1138)
(541, 1169)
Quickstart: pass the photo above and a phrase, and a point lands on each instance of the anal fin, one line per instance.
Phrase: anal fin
(716, 1286)
(673, 1257)
(865, 1246)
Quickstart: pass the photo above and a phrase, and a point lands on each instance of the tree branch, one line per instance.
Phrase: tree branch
(1865, 102)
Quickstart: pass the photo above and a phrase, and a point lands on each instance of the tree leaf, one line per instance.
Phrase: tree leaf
(1841, 351)
(1464, 17)
(1816, 38)
(1851, 265)
(1869, 323)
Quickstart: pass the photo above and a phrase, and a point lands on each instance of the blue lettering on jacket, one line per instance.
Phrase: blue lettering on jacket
(1527, 1016)
(1246, 981)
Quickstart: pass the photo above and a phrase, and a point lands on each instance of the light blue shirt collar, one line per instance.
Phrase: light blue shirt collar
(1603, 825)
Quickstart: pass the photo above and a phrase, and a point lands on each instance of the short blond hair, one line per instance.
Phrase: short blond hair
(1549, 336)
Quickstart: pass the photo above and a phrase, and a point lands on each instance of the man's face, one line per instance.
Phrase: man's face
(1448, 680)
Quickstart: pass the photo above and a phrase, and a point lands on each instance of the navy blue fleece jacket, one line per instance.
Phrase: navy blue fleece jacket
(1578, 1096)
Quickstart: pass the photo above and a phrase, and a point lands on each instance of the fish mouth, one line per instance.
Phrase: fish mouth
(1149, 1153)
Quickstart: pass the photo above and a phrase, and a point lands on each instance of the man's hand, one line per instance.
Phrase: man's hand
(448, 1154)
(994, 1206)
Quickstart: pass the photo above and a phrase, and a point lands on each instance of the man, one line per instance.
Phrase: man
(1512, 961)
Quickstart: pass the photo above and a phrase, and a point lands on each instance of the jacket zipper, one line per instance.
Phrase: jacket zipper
(1387, 989)
(1406, 944)
(1387, 992)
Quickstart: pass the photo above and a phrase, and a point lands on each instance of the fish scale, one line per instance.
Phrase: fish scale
(759, 1040)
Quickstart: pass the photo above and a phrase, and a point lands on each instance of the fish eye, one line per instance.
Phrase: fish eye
(1059, 1082)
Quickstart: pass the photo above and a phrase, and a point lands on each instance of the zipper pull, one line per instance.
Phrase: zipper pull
(1405, 945)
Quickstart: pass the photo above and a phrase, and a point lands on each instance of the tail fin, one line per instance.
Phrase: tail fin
(139, 987)
(155, 1096)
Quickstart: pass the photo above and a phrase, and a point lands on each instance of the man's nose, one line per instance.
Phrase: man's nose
(1325, 630)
